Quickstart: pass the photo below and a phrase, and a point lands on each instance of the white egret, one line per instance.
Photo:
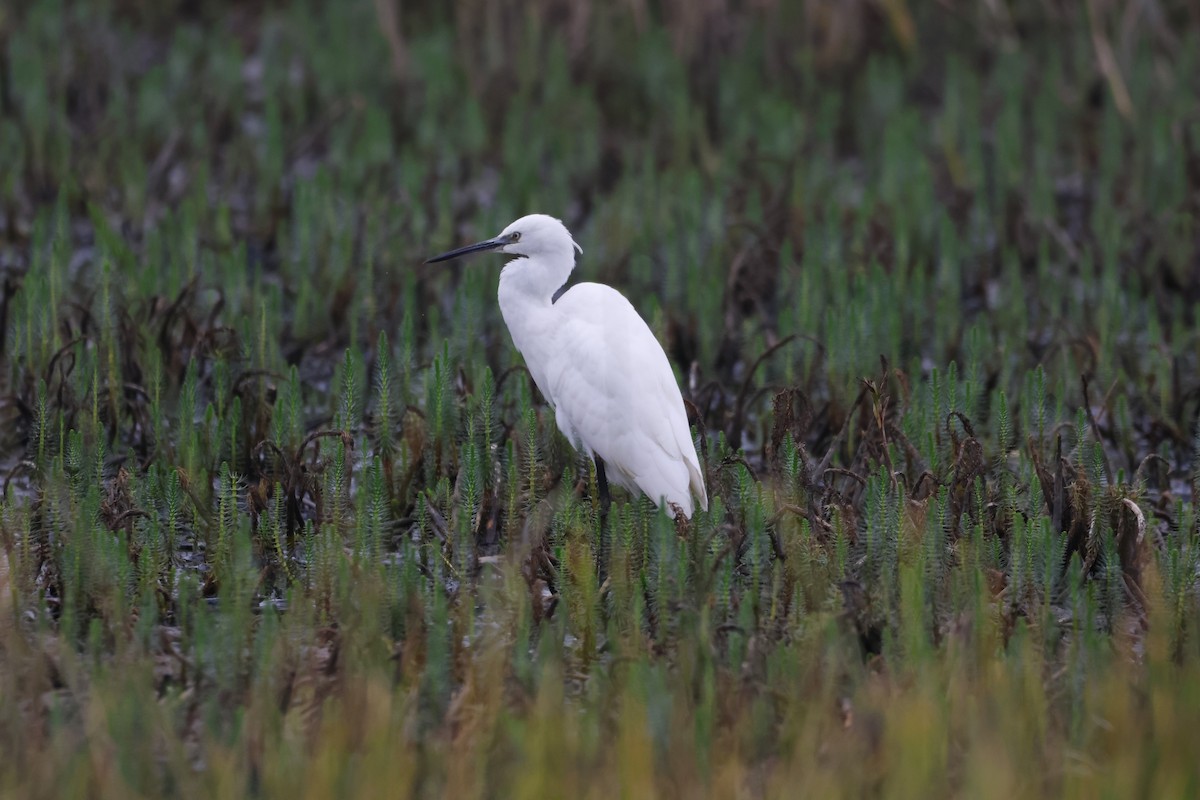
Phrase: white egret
(597, 364)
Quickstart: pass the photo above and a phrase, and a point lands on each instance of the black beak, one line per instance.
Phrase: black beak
(489, 244)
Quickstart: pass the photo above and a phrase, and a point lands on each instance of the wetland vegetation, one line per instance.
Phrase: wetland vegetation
(284, 515)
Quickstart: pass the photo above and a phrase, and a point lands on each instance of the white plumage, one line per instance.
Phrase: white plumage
(597, 363)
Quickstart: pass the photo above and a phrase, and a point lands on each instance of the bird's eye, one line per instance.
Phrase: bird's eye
(515, 236)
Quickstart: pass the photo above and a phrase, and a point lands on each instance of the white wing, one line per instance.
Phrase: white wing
(615, 396)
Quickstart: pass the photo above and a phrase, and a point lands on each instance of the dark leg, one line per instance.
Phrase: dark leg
(605, 502)
(602, 482)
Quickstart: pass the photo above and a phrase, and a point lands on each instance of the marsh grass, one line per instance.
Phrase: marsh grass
(284, 515)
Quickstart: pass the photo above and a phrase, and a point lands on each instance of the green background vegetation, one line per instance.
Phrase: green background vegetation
(283, 515)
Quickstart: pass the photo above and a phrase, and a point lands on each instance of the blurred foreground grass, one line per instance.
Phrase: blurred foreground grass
(282, 515)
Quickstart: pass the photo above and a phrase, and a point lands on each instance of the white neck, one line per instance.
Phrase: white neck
(520, 291)
(539, 275)
(527, 287)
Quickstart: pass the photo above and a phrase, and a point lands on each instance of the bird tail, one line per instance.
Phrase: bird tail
(696, 484)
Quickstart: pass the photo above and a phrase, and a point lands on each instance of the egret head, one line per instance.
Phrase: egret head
(532, 236)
